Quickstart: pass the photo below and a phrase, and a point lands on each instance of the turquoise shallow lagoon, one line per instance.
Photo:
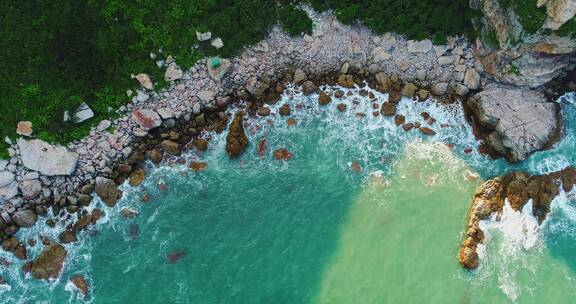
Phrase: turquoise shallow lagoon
(312, 230)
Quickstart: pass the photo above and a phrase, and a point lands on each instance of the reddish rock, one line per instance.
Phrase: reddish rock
(200, 144)
(468, 150)
(155, 156)
(49, 264)
(136, 178)
(346, 81)
(198, 166)
(282, 154)
(262, 147)
(341, 107)
(236, 141)
(324, 99)
(355, 166)
(292, 122)
(68, 236)
(81, 284)
(375, 113)
(309, 87)
(388, 109)
(394, 97)
(339, 94)
(175, 256)
(427, 131)
(24, 128)
(360, 114)
(399, 120)
(408, 126)
(284, 110)
(146, 119)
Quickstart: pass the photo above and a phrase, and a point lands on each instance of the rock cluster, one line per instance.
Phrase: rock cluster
(517, 188)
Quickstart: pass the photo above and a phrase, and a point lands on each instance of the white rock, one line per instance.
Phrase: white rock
(440, 50)
(165, 113)
(217, 43)
(196, 108)
(142, 96)
(31, 175)
(144, 81)
(203, 36)
(3, 164)
(423, 46)
(173, 72)
(103, 125)
(217, 72)
(380, 54)
(83, 113)
(439, 88)
(9, 191)
(38, 155)
(6, 178)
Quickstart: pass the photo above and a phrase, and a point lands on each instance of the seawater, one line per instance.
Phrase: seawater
(312, 230)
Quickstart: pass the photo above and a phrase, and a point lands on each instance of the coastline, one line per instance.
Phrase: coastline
(169, 122)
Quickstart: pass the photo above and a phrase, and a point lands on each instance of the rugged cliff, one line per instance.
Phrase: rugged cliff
(526, 42)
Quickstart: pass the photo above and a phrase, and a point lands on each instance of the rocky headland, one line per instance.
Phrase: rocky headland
(45, 182)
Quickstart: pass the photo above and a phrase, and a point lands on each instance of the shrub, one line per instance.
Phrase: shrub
(294, 20)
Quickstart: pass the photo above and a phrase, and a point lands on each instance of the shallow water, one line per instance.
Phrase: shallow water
(312, 230)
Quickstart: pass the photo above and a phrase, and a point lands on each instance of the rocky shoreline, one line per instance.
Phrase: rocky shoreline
(40, 178)
(517, 189)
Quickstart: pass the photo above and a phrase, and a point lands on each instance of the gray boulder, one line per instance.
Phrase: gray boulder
(30, 188)
(38, 155)
(515, 122)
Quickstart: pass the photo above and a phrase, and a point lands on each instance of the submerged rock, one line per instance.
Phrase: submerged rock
(198, 166)
(236, 141)
(282, 154)
(175, 256)
(324, 99)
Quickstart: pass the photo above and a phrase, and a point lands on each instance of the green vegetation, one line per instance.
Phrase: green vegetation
(531, 17)
(568, 29)
(417, 19)
(58, 54)
(515, 70)
(294, 20)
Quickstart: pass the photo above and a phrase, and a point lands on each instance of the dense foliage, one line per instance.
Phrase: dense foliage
(57, 54)
(417, 19)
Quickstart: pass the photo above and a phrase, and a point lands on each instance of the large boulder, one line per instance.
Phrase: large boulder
(107, 190)
(30, 188)
(515, 122)
(423, 46)
(24, 218)
(48, 159)
(236, 141)
(146, 119)
(49, 263)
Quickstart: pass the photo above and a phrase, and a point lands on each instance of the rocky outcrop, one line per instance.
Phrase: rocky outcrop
(515, 122)
(236, 141)
(48, 159)
(525, 58)
(80, 283)
(49, 263)
(517, 188)
(558, 11)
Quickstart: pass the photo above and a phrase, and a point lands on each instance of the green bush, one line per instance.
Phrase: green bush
(531, 17)
(416, 19)
(294, 20)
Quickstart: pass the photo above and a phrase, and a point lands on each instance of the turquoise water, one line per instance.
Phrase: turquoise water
(312, 230)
